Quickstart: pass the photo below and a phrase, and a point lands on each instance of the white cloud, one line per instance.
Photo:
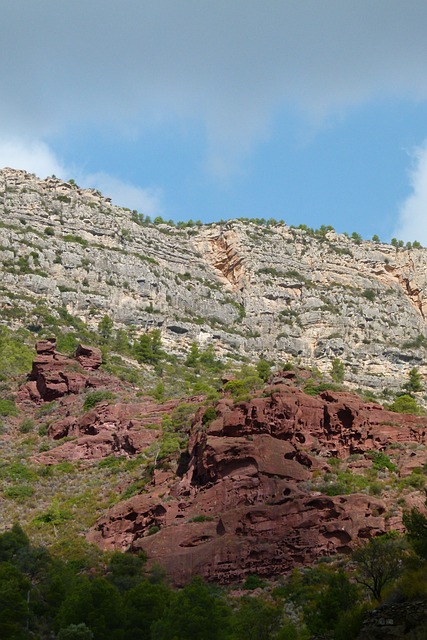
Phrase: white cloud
(36, 157)
(229, 65)
(412, 224)
(147, 201)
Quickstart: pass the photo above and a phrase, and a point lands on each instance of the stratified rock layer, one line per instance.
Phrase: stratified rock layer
(275, 291)
(244, 502)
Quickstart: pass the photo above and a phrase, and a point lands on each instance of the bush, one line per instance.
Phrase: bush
(253, 582)
(369, 294)
(27, 425)
(8, 408)
(95, 397)
(337, 371)
(381, 461)
(405, 404)
(19, 492)
(209, 415)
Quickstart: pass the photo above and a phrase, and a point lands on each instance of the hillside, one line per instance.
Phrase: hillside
(240, 401)
(249, 290)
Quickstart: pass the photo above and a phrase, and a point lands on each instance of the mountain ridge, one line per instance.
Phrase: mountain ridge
(249, 290)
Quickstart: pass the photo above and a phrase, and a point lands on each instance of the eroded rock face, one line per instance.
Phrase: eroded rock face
(89, 357)
(108, 429)
(245, 504)
(53, 375)
(274, 292)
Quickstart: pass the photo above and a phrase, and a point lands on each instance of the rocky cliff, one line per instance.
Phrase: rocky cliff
(260, 491)
(251, 290)
(224, 489)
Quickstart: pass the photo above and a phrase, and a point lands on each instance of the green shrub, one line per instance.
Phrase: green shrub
(201, 519)
(209, 415)
(18, 492)
(8, 408)
(92, 399)
(253, 582)
(153, 530)
(369, 294)
(73, 238)
(27, 425)
(17, 471)
(405, 404)
(381, 461)
(337, 371)
(313, 389)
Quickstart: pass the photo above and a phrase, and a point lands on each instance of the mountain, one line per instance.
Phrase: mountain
(250, 290)
(242, 401)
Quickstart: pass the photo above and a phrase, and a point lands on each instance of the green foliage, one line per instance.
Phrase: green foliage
(8, 408)
(417, 343)
(263, 368)
(345, 482)
(414, 383)
(148, 348)
(405, 404)
(105, 328)
(126, 570)
(253, 582)
(54, 516)
(144, 605)
(195, 612)
(209, 415)
(201, 518)
(193, 358)
(337, 370)
(369, 294)
(17, 471)
(256, 619)
(379, 563)
(338, 597)
(95, 397)
(159, 392)
(75, 632)
(73, 238)
(381, 461)
(96, 603)
(312, 388)
(416, 479)
(26, 425)
(16, 355)
(11, 542)
(416, 531)
(18, 492)
(246, 382)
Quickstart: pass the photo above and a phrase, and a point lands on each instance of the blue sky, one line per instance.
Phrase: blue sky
(310, 111)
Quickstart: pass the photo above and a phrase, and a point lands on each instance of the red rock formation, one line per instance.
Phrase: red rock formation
(89, 357)
(53, 375)
(107, 429)
(245, 503)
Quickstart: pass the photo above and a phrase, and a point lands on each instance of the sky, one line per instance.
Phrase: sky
(309, 111)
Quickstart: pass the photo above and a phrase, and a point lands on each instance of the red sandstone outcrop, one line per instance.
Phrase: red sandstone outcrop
(123, 429)
(54, 375)
(245, 503)
(89, 357)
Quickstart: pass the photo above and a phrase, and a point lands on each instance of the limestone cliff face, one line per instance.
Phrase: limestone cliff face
(256, 291)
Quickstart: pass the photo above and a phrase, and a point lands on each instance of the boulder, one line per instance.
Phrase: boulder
(90, 358)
